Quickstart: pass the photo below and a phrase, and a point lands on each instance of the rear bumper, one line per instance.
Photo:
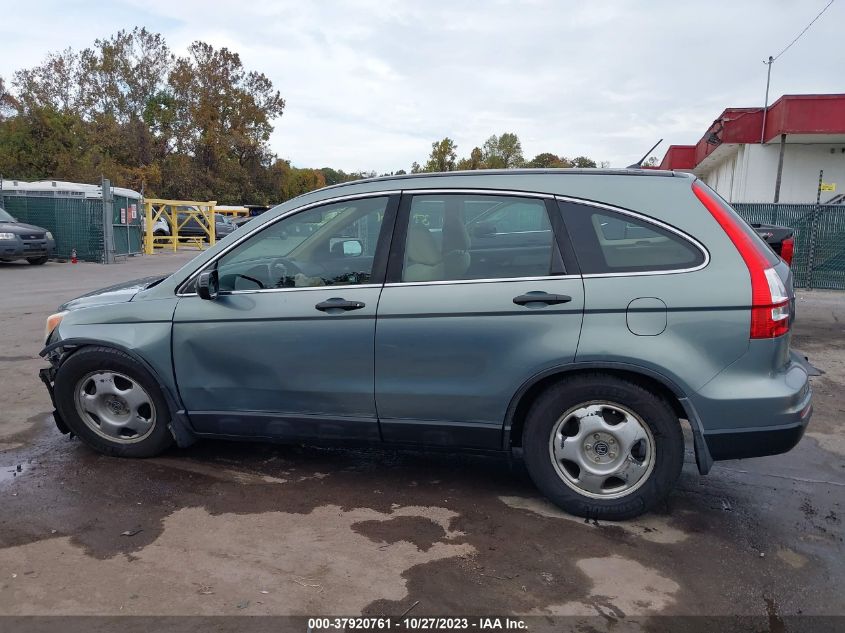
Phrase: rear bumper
(756, 442)
(746, 412)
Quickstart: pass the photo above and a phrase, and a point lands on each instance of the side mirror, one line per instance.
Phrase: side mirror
(484, 229)
(207, 285)
(352, 248)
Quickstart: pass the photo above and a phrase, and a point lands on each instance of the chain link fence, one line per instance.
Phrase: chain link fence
(76, 221)
(819, 260)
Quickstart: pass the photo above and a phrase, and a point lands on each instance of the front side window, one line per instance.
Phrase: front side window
(468, 236)
(610, 242)
(332, 245)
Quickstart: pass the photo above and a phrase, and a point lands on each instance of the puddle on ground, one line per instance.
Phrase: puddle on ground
(621, 588)
(650, 527)
(12, 472)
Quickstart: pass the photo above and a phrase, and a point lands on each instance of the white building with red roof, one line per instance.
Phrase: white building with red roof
(776, 155)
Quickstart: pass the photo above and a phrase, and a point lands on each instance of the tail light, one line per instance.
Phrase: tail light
(787, 250)
(769, 299)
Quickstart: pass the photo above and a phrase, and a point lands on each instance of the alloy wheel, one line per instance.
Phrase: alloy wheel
(602, 450)
(115, 406)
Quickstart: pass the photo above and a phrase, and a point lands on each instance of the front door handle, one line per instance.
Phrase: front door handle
(337, 304)
(541, 297)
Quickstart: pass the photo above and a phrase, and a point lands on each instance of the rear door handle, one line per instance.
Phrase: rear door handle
(338, 304)
(541, 297)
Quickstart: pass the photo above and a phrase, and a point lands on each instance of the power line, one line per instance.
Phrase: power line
(798, 37)
(771, 61)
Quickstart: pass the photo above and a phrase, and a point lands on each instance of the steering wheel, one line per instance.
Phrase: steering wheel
(282, 269)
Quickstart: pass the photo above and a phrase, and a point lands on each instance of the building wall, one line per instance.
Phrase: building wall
(749, 174)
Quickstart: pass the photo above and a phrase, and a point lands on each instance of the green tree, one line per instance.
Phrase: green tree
(651, 161)
(334, 176)
(475, 160)
(57, 83)
(490, 153)
(45, 142)
(443, 156)
(192, 127)
(223, 118)
(503, 152)
(548, 160)
(583, 162)
(124, 72)
(510, 149)
(7, 101)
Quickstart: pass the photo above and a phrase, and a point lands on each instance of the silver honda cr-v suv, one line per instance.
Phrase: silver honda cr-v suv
(573, 316)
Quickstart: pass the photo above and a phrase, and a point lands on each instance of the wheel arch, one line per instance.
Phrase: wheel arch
(520, 404)
(179, 424)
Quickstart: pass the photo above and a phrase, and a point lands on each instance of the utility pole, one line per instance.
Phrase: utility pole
(779, 176)
(771, 60)
(766, 106)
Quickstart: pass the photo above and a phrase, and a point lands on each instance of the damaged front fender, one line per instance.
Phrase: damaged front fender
(58, 351)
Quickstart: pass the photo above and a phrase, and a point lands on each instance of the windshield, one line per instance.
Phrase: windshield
(5, 217)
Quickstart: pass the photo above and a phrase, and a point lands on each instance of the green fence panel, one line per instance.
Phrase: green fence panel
(829, 249)
(77, 222)
(128, 238)
(819, 239)
(75, 226)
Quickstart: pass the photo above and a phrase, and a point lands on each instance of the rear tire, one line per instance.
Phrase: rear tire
(602, 447)
(113, 403)
(37, 261)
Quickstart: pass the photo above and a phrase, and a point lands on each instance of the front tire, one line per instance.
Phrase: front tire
(603, 447)
(113, 403)
(37, 261)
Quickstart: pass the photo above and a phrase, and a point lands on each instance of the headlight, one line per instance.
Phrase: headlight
(49, 235)
(7, 236)
(52, 322)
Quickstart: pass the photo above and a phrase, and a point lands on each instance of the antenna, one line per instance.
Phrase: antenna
(639, 163)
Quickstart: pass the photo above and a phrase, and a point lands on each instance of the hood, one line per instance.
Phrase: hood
(20, 227)
(119, 293)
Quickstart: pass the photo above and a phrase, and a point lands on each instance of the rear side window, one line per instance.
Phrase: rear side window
(610, 242)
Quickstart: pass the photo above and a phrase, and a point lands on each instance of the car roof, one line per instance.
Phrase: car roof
(569, 171)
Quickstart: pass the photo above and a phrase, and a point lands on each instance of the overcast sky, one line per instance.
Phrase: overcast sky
(369, 85)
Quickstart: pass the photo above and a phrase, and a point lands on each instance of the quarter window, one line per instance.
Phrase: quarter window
(332, 245)
(610, 242)
(461, 237)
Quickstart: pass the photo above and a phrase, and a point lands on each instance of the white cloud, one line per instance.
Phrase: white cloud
(370, 84)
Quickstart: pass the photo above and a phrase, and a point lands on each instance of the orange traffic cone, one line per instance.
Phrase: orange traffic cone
(73, 259)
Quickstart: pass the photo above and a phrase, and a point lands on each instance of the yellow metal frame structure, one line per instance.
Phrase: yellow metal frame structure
(155, 209)
(233, 212)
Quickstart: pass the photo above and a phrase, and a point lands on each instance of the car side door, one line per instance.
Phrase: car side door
(286, 348)
(462, 324)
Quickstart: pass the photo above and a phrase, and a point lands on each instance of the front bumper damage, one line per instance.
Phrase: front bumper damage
(57, 351)
(48, 377)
